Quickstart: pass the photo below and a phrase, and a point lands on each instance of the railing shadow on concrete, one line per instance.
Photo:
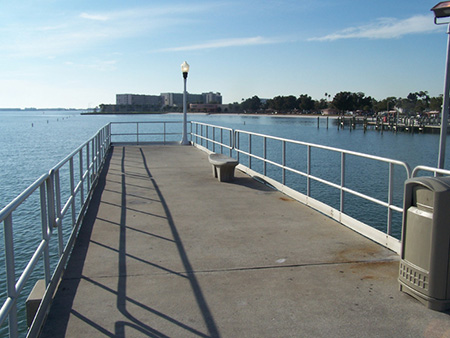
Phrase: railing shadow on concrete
(60, 312)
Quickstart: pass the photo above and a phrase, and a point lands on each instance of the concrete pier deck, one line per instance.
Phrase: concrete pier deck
(166, 250)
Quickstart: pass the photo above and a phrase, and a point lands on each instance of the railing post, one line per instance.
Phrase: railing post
(137, 132)
(102, 142)
(250, 151)
(264, 155)
(390, 198)
(221, 140)
(97, 153)
(81, 177)
(92, 164)
(72, 190)
(308, 171)
(11, 275)
(109, 132)
(214, 138)
(231, 141)
(45, 234)
(58, 223)
(342, 182)
(237, 141)
(196, 133)
(51, 200)
(283, 162)
(88, 169)
(93, 158)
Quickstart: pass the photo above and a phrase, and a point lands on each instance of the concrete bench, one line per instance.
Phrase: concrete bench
(223, 166)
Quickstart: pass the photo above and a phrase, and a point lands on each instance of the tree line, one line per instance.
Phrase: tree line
(342, 102)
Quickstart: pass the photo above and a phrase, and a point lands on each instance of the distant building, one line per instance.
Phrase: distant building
(136, 99)
(171, 99)
(168, 99)
(195, 98)
(212, 98)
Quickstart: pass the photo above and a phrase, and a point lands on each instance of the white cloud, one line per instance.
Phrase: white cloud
(74, 32)
(98, 65)
(385, 28)
(224, 43)
(94, 17)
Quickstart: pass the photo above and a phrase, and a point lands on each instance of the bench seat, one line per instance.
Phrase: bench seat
(223, 166)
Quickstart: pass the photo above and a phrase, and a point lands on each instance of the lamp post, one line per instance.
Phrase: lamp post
(442, 10)
(184, 70)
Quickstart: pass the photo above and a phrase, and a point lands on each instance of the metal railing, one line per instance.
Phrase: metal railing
(337, 180)
(212, 136)
(62, 196)
(145, 132)
(274, 152)
(434, 171)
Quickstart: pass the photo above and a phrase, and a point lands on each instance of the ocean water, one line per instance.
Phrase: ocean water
(34, 141)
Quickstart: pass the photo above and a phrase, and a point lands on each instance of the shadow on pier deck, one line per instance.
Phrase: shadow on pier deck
(168, 251)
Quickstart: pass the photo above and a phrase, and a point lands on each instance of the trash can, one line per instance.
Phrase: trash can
(425, 263)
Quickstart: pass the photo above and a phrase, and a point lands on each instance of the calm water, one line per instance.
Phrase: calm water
(33, 142)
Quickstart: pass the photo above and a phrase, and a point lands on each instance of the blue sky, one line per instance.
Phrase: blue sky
(81, 53)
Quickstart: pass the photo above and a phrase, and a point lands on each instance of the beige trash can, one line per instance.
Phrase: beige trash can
(425, 262)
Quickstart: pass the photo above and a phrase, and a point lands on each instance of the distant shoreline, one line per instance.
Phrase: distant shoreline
(212, 114)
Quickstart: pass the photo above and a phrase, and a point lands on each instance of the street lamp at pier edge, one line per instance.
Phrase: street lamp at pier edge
(184, 70)
(442, 10)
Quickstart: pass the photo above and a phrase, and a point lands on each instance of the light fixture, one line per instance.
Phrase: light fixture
(441, 10)
(185, 67)
(185, 71)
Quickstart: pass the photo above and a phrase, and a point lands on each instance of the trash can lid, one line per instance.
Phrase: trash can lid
(437, 184)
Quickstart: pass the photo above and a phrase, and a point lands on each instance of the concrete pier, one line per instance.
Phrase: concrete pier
(166, 250)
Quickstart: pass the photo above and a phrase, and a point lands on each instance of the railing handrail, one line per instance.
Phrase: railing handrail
(429, 169)
(211, 125)
(75, 152)
(11, 206)
(149, 122)
(220, 143)
(52, 212)
(319, 146)
(139, 133)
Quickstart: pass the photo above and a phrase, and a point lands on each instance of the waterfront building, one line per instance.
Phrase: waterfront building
(172, 99)
(168, 99)
(212, 98)
(138, 99)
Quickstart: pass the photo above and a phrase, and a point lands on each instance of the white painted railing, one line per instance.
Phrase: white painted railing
(269, 151)
(62, 194)
(216, 137)
(434, 171)
(146, 132)
(338, 182)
